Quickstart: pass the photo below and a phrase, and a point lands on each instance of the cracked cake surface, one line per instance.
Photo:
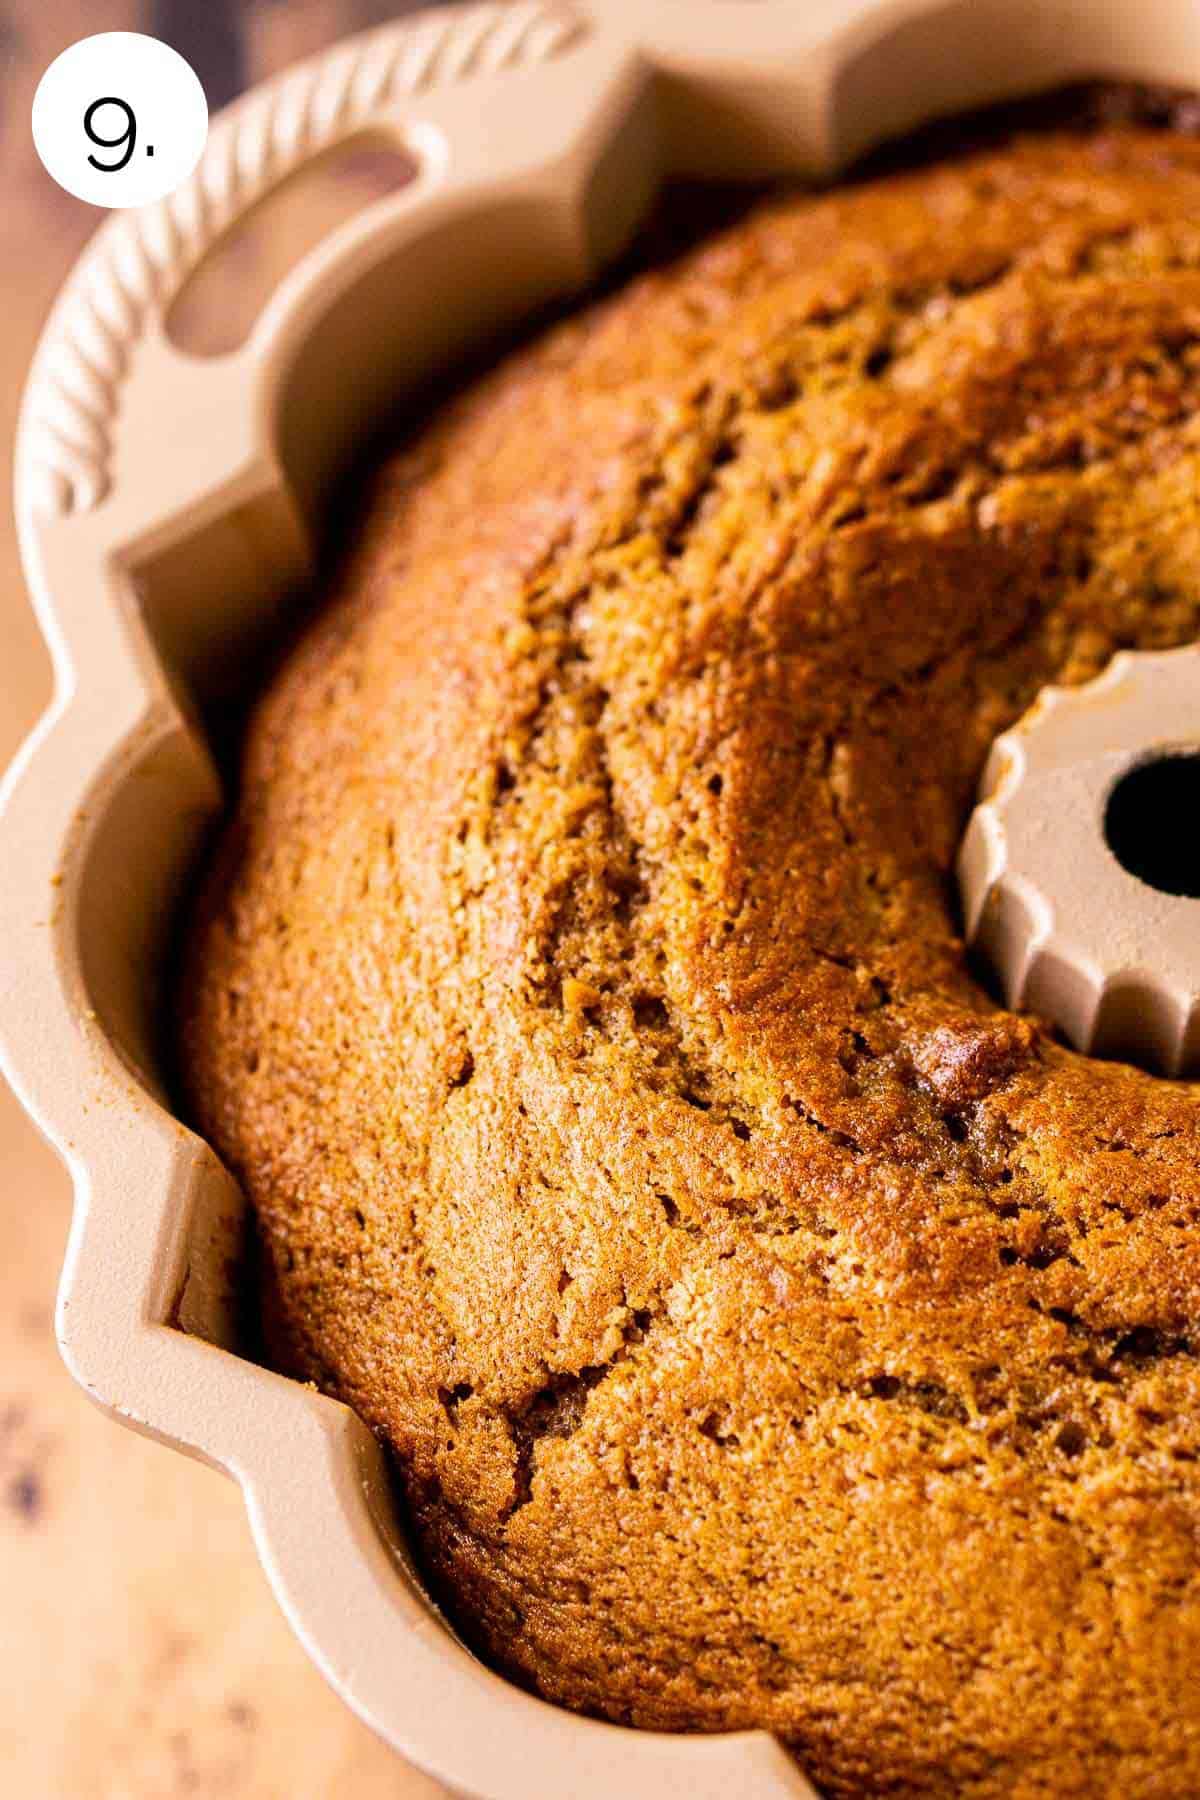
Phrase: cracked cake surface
(770, 1330)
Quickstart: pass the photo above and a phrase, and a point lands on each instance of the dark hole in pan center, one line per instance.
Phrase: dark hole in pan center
(1152, 822)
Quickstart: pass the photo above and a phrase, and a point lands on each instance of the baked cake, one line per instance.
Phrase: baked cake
(770, 1330)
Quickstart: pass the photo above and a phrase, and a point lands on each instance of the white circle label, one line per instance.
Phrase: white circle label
(120, 119)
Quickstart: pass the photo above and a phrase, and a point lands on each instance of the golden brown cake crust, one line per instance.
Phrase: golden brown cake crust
(771, 1331)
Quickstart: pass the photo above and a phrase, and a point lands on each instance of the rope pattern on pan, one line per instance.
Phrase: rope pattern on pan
(141, 259)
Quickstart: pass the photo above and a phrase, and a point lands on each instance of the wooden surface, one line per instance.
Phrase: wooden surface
(141, 1654)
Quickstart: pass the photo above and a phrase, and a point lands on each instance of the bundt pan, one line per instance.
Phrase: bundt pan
(167, 505)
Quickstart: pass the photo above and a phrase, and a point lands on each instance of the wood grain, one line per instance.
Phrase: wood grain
(141, 1654)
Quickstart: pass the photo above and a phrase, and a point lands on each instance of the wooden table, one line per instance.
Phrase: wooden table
(141, 1654)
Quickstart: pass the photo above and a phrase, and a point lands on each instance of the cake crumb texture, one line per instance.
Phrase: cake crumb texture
(770, 1330)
